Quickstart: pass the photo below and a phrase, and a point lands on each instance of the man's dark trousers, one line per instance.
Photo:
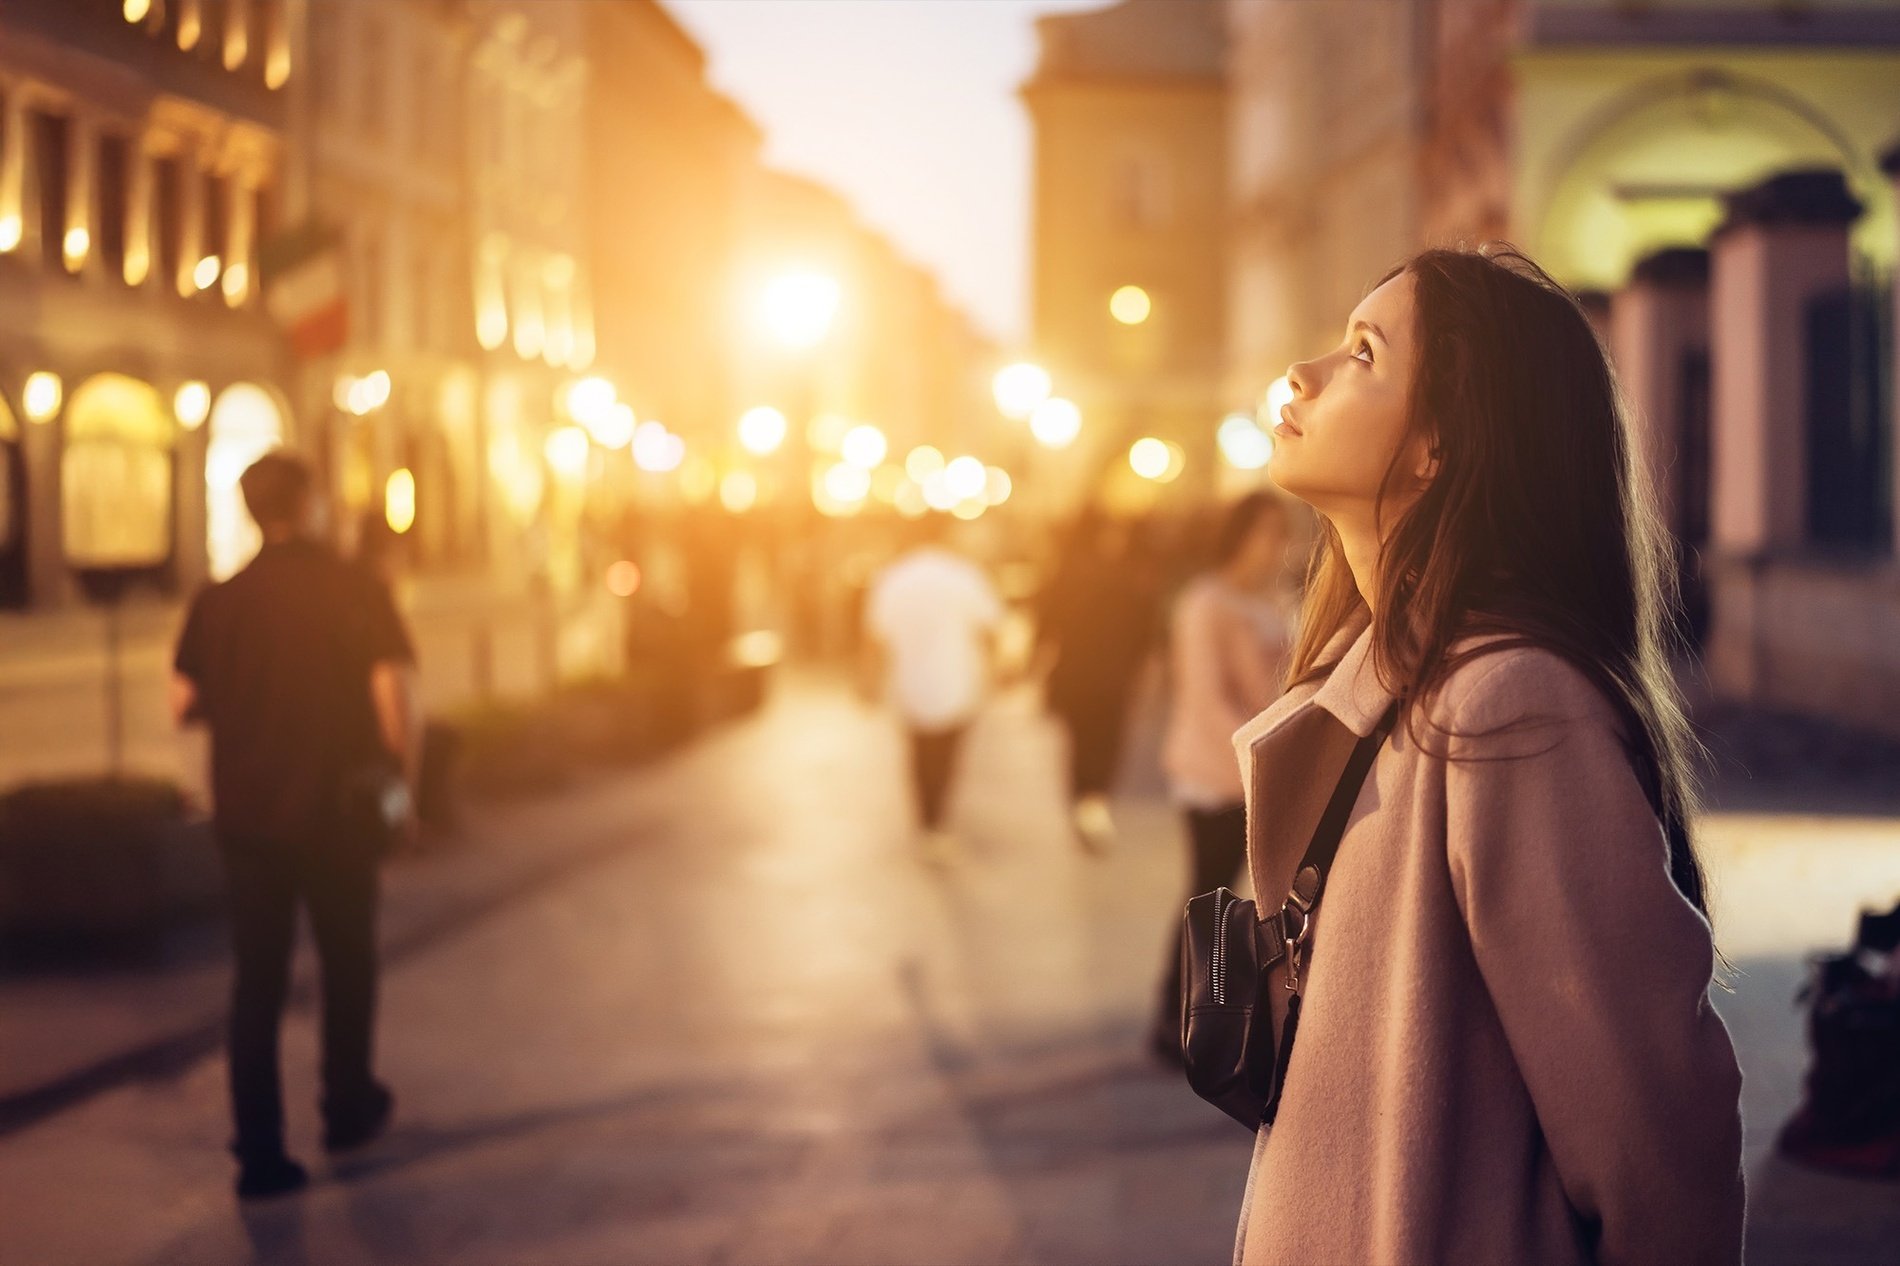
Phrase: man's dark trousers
(933, 763)
(333, 877)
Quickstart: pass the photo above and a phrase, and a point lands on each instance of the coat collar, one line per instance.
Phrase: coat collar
(1352, 692)
(1291, 754)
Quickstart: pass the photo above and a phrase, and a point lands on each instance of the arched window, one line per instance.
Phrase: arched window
(115, 476)
(246, 423)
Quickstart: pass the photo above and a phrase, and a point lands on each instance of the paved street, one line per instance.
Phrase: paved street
(754, 1029)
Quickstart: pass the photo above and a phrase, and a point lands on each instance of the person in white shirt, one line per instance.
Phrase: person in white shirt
(930, 622)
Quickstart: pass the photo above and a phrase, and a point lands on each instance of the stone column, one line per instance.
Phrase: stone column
(1657, 321)
(1783, 243)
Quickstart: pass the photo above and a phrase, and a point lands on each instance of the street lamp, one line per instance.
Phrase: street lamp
(192, 403)
(798, 308)
(41, 395)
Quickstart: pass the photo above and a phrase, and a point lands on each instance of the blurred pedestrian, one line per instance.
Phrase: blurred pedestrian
(931, 621)
(1229, 640)
(1095, 624)
(298, 664)
(1506, 1049)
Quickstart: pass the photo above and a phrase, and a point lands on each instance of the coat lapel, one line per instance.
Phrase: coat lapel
(1292, 754)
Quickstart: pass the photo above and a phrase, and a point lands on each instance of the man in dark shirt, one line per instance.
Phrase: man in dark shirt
(301, 667)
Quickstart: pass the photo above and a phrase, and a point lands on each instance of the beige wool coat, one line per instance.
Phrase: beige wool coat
(1506, 1052)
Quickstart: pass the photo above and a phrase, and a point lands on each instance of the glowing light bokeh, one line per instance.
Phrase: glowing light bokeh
(864, 446)
(923, 462)
(1130, 305)
(590, 399)
(1242, 443)
(192, 404)
(798, 308)
(41, 395)
(1056, 422)
(623, 578)
(1279, 392)
(738, 491)
(399, 500)
(965, 477)
(1019, 388)
(1148, 457)
(566, 450)
(762, 430)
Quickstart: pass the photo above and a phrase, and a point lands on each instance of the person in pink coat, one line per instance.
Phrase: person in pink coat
(1228, 641)
(1506, 1050)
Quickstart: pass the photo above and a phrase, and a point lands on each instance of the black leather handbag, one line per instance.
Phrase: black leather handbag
(1241, 1006)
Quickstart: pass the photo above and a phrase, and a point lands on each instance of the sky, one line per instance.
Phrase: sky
(909, 109)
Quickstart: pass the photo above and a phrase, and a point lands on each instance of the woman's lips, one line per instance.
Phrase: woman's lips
(1286, 425)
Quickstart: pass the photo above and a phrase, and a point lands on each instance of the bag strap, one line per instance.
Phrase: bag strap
(1296, 913)
(1308, 882)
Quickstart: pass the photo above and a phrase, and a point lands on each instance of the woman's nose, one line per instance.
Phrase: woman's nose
(1299, 376)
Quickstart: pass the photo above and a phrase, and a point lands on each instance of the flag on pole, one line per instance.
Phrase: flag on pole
(304, 288)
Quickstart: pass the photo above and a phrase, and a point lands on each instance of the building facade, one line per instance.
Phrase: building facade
(398, 236)
(1129, 224)
(668, 163)
(1707, 177)
(141, 157)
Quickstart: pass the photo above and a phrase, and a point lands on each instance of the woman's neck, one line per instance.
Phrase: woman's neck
(1360, 544)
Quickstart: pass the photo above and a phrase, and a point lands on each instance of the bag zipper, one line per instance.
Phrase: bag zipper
(1220, 952)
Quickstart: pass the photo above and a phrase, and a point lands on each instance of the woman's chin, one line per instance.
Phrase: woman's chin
(1285, 476)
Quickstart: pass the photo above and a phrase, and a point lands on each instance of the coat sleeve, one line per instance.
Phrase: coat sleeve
(1598, 967)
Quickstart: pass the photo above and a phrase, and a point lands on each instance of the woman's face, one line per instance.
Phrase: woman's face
(1346, 422)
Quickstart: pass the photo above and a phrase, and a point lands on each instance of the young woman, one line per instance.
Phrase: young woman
(1506, 1050)
(1229, 640)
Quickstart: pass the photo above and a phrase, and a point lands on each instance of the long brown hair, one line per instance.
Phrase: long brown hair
(1539, 525)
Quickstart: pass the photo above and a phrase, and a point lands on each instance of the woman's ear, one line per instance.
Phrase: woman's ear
(1425, 467)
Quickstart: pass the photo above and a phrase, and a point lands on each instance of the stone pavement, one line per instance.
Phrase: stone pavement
(759, 1031)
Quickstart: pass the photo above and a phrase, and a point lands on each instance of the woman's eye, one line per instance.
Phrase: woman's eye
(1362, 347)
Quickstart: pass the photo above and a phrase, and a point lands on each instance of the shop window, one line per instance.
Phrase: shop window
(246, 423)
(115, 476)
